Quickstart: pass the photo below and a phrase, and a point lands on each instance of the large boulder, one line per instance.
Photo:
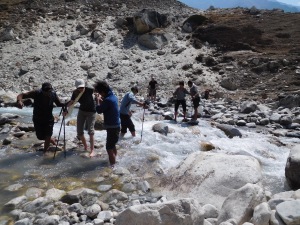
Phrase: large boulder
(289, 101)
(248, 107)
(7, 34)
(176, 212)
(239, 205)
(193, 22)
(211, 177)
(156, 39)
(292, 168)
(229, 84)
(147, 20)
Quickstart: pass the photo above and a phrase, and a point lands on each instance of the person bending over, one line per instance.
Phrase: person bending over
(42, 118)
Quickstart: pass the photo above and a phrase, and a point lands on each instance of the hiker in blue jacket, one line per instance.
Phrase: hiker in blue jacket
(125, 112)
(107, 103)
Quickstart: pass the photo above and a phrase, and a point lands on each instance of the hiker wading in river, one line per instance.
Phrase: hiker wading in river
(125, 112)
(86, 116)
(42, 118)
(107, 103)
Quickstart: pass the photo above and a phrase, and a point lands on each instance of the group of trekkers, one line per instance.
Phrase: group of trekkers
(97, 99)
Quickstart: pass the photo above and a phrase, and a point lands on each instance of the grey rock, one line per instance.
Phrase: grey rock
(289, 212)
(292, 168)
(230, 131)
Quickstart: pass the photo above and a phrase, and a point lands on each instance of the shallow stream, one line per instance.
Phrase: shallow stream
(155, 154)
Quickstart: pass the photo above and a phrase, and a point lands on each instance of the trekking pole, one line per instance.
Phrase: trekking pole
(65, 151)
(58, 134)
(63, 109)
(143, 124)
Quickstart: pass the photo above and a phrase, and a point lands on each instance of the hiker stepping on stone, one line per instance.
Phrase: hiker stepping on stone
(179, 95)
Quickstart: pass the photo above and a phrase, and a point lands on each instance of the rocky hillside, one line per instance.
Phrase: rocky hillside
(262, 47)
(239, 52)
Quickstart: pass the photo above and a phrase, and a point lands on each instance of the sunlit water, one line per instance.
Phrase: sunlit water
(138, 153)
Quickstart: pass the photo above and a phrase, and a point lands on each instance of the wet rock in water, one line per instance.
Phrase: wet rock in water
(230, 131)
(161, 128)
(55, 194)
(79, 195)
(104, 187)
(19, 134)
(207, 146)
(15, 203)
(26, 127)
(295, 134)
(33, 193)
(292, 168)
(14, 187)
(7, 141)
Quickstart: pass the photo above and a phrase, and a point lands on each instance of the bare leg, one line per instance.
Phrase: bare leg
(53, 141)
(112, 153)
(196, 114)
(82, 138)
(47, 143)
(92, 141)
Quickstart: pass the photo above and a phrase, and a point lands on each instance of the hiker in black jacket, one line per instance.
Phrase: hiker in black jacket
(42, 118)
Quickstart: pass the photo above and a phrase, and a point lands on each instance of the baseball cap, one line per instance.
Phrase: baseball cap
(46, 86)
(79, 83)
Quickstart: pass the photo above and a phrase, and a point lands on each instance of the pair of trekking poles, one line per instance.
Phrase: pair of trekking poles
(63, 124)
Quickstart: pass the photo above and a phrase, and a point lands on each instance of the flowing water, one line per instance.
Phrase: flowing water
(147, 152)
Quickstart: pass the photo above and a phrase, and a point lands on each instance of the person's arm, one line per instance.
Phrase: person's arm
(175, 92)
(196, 91)
(22, 96)
(69, 104)
(58, 102)
(100, 105)
(186, 91)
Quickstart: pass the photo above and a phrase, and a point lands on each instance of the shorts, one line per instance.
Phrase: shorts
(112, 138)
(43, 128)
(126, 123)
(196, 102)
(180, 102)
(85, 120)
(152, 92)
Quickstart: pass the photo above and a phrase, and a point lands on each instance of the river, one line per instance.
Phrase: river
(32, 169)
